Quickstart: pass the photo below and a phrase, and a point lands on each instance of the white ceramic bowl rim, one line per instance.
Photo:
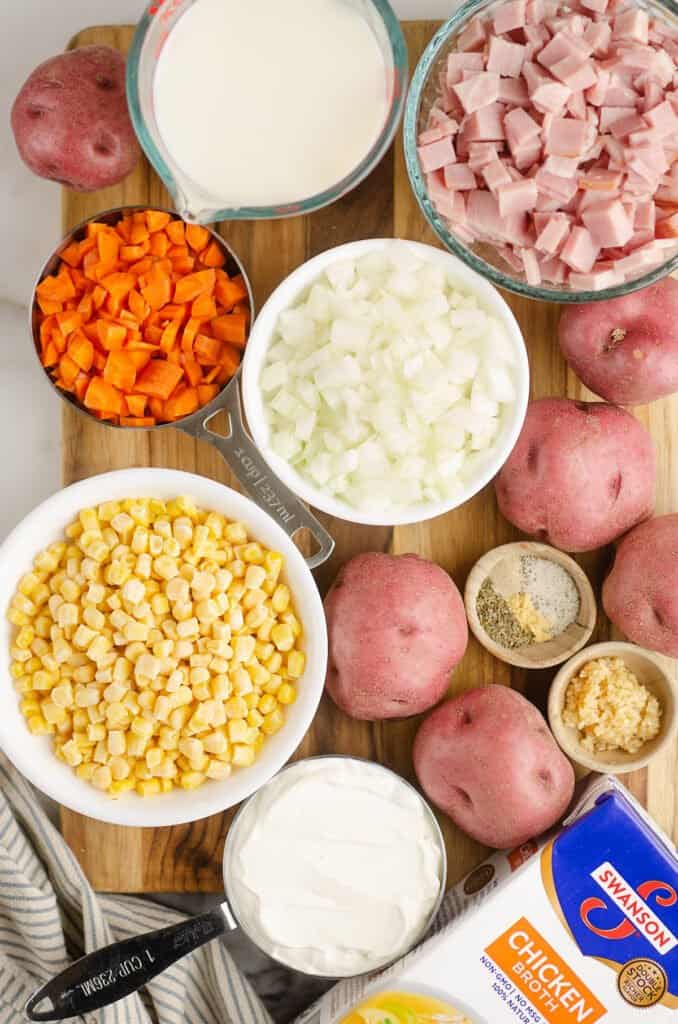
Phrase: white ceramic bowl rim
(33, 755)
(288, 292)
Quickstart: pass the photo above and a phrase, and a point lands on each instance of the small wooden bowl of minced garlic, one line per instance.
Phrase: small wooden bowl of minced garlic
(529, 604)
(612, 707)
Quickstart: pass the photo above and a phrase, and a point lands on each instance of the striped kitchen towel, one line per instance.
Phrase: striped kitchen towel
(49, 915)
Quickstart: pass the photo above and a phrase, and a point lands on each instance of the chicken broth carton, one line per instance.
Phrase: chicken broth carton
(578, 927)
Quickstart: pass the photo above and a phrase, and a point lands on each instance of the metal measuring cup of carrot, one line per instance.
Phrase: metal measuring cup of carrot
(139, 321)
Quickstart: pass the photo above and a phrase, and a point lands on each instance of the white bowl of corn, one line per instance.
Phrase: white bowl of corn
(163, 638)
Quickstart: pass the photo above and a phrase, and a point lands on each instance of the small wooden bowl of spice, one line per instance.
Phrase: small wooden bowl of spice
(529, 604)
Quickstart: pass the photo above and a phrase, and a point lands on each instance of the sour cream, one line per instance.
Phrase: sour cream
(336, 867)
(263, 102)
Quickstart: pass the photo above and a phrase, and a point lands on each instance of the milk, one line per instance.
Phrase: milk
(265, 102)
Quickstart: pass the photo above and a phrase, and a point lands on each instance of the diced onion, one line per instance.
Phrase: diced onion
(387, 385)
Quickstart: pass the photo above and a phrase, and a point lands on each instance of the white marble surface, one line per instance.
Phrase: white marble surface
(29, 212)
(29, 412)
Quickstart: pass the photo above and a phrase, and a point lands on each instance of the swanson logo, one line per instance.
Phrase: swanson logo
(602, 916)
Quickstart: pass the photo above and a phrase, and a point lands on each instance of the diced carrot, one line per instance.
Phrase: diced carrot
(68, 369)
(142, 267)
(120, 371)
(86, 307)
(124, 229)
(207, 392)
(138, 305)
(103, 397)
(159, 244)
(183, 264)
(132, 253)
(137, 421)
(72, 254)
(176, 232)
(139, 234)
(193, 371)
(156, 407)
(181, 404)
(140, 357)
(158, 379)
(95, 227)
(188, 336)
(99, 361)
(197, 237)
(204, 308)
(158, 290)
(136, 404)
(107, 416)
(157, 220)
(207, 350)
(230, 291)
(111, 336)
(46, 327)
(81, 351)
(49, 306)
(57, 288)
(50, 356)
(213, 256)
(169, 336)
(119, 285)
(99, 296)
(192, 285)
(174, 356)
(80, 385)
(59, 340)
(175, 251)
(173, 311)
(69, 322)
(230, 361)
(231, 328)
(108, 245)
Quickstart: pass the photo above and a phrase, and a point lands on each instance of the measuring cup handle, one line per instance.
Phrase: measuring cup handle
(101, 978)
(244, 458)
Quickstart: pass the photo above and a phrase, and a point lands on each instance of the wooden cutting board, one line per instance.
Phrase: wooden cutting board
(188, 858)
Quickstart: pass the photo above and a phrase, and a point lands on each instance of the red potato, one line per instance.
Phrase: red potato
(625, 350)
(71, 123)
(488, 760)
(397, 628)
(580, 475)
(639, 594)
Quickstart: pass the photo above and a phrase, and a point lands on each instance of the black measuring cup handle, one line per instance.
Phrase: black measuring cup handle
(109, 974)
(260, 483)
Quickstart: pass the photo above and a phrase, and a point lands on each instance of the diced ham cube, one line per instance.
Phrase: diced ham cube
(662, 119)
(531, 266)
(599, 179)
(520, 129)
(567, 137)
(473, 36)
(563, 45)
(525, 156)
(580, 251)
(599, 6)
(610, 115)
(495, 174)
(596, 94)
(534, 11)
(478, 91)
(597, 35)
(668, 227)
(556, 187)
(436, 154)
(553, 235)
(513, 91)
(459, 177)
(578, 74)
(561, 166)
(576, 105)
(608, 223)
(457, 63)
(594, 282)
(449, 127)
(644, 216)
(553, 270)
(632, 24)
(517, 196)
(486, 124)
(619, 95)
(482, 213)
(623, 126)
(551, 97)
(481, 154)
(505, 58)
(509, 16)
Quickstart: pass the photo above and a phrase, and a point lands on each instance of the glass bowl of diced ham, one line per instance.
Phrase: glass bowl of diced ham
(541, 140)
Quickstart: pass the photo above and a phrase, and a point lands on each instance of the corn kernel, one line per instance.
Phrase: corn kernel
(286, 694)
(282, 636)
(243, 755)
(148, 787)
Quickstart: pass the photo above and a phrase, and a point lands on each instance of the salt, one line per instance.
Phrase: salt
(553, 591)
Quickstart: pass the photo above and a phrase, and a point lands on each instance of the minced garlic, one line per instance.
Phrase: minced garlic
(611, 709)
(530, 618)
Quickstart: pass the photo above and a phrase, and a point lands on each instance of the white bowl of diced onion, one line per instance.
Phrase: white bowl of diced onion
(385, 382)
(34, 756)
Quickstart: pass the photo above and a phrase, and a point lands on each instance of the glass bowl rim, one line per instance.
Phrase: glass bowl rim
(427, 61)
(312, 203)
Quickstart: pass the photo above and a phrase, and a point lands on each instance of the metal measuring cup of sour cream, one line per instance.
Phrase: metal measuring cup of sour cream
(355, 855)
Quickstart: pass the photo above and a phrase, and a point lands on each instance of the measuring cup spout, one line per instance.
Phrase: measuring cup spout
(109, 974)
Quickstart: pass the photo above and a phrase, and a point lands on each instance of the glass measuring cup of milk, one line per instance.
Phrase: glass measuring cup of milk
(195, 203)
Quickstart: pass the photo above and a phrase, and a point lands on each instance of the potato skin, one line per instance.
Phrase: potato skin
(639, 594)
(71, 123)
(626, 349)
(580, 475)
(488, 759)
(397, 627)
